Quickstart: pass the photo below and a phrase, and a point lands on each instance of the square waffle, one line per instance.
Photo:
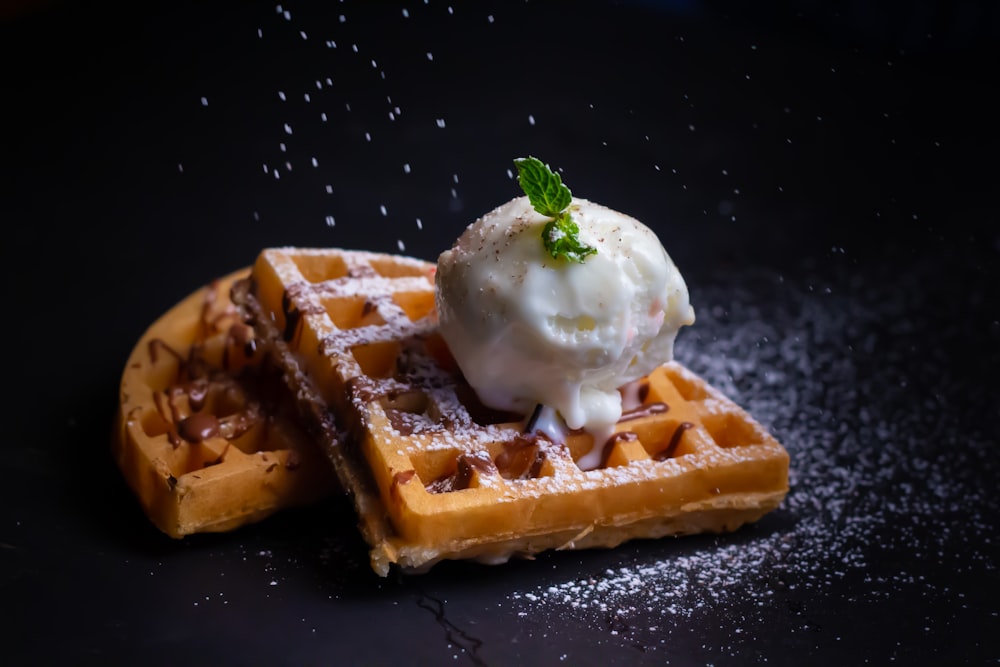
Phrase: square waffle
(206, 434)
(435, 475)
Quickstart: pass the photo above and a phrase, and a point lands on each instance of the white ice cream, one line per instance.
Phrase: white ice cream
(526, 328)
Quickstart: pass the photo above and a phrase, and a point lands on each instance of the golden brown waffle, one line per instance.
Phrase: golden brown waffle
(207, 435)
(435, 475)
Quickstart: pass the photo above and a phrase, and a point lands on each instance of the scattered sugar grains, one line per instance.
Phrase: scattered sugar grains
(866, 468)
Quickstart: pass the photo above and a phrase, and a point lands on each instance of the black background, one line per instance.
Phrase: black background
(824, 177)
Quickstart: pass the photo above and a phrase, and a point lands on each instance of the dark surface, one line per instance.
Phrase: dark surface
(825, 180)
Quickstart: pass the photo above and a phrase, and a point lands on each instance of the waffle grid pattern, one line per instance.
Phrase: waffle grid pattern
(206, 435)
(436, 475)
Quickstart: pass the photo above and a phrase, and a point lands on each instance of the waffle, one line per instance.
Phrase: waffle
(435, 475)
(206, 433)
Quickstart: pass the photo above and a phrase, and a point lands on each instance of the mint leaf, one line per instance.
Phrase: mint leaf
(544, 187)
(550, 197)
(561, 239)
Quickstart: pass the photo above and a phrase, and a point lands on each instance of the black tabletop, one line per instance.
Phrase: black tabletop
(824, 177)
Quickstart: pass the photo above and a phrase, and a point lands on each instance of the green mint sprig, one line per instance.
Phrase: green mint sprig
(550, 197)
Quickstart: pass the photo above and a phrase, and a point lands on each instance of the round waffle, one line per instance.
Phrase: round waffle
(206, 434)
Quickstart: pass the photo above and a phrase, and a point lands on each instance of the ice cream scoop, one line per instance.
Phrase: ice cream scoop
(527, 328)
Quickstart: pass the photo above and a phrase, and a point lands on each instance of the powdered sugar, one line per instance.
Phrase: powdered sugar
(873, 471)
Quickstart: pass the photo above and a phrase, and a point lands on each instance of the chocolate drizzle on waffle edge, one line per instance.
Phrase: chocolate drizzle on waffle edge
(206, 436)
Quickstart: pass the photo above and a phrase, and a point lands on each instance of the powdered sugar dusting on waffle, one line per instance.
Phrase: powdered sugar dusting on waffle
(438, 475)
(360, 278)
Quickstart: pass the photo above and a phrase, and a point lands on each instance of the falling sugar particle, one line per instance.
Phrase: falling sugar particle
(406, 168)
(288, 128)
(330, 222)
(315, 162)
(204, 101)
(531, 119)
(281, 96)
(430, 56)
(440, 122)
(420, 223)
(329, 189)
(180, 167)
(382, 209)
(401, 245)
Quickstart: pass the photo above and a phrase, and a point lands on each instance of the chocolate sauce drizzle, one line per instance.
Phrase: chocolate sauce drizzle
(529, 427)
(198, 427)
(199, 381)
(523, 457)
(675, 440)
(292, 317)
(643, 393)
(465, 467)
(403, 477)
(609, 446)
